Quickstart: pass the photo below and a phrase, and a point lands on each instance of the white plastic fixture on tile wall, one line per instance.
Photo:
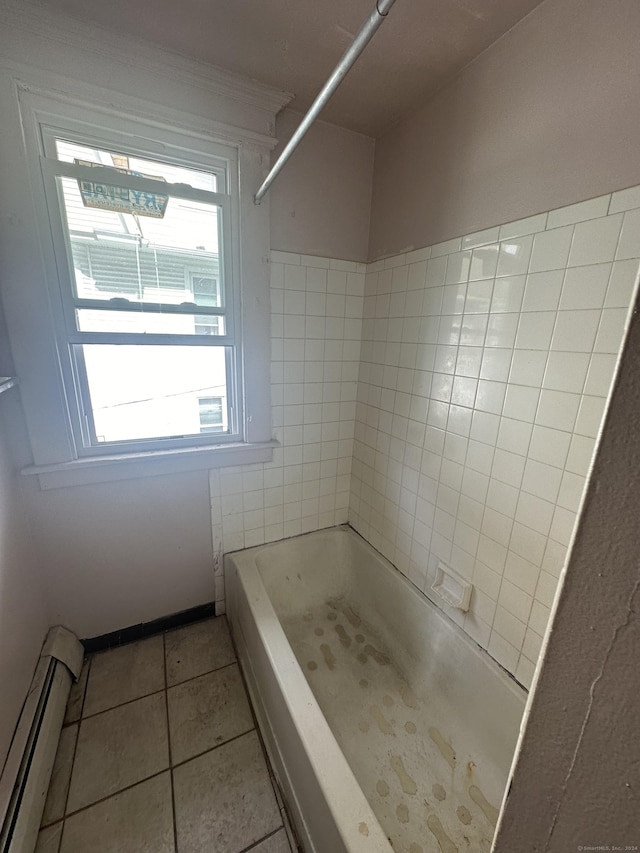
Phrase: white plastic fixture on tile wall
(451, 588)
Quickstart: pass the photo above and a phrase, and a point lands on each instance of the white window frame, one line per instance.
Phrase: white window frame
(219, 161)
(59, 455)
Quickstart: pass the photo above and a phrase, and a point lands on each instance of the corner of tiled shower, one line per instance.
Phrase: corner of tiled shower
(446, 403)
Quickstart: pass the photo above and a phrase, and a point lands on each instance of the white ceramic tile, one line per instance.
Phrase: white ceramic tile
(600, 374)
(611, 330)
(535, 330)
(550, 446)
(585, 287)
(551, 249)
(535, 513)
(591, 209)
(521, 572)
(484, 261)
(507, 294)
(629, 245)
(514, 256)
(541, 480)
(622, 283)
(509, 628)
(527, 367)
(625, 199)
(480, 238)
(566, 371)
(558, 410)
(447, 247)
(458, 265)
(496, 364)
(501, 330)
(523, 226)
(542, 291)
(521, 403)
(590, 416)
(575, 331)
(580, 454)
(595, 242)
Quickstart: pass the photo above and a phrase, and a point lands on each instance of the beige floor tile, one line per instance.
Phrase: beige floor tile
(138, 820)
(196, 649)
(126, 673)
(224, 800)
(206, 712)
(76, 696)
(277, 843)
(119, 748)
(49, 839)
(61, 776)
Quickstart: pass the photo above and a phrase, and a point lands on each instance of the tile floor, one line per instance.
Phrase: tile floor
(159, 754)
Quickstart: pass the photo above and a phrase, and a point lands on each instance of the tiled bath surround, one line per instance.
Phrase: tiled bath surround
(486, 363)
(316, 327)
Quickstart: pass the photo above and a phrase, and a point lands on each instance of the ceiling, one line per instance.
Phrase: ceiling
(294, 44)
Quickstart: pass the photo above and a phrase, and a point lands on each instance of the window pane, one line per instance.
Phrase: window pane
(69, 152)
(145, 392)
(137, 322)
(172, 259)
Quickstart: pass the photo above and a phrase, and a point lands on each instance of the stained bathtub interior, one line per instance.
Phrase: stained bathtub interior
(429, 767)
(417, 770)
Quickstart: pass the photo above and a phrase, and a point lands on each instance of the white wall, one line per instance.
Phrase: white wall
(486, 363)
(321, 202)
(24, 618)
(546, 116)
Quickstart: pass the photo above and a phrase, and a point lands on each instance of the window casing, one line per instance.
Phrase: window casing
(147, 312)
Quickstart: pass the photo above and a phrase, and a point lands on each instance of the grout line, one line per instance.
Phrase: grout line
(123, 704)
(260, 840)
(212, 748)
(166, 705)
(200, 675)
(119, 791)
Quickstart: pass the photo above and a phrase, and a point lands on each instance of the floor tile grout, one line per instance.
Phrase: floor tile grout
(282, 814)
(211, 749)
(201, 674)
(166, 702)
(155, 692)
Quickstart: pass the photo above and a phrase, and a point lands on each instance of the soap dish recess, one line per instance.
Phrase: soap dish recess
(451, 588)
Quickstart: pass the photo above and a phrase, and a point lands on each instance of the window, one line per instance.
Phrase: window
(210, 410)
(148, 324)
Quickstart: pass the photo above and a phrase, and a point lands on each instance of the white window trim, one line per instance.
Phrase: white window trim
(56, 459)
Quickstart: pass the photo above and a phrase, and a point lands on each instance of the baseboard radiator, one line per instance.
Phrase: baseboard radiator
(27, 770)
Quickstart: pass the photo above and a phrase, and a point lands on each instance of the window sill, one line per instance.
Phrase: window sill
(129, 466)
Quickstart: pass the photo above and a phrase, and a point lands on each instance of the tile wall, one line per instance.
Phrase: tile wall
(316, 327)
(486, 363)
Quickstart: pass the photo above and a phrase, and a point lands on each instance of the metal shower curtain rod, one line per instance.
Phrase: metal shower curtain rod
(362, 39)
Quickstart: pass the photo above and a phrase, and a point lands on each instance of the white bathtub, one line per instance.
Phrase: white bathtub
(389, 729)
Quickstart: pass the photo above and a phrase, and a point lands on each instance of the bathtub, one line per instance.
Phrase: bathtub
(388, 728)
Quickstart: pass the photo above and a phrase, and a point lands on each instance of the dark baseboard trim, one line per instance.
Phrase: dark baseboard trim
(147, 629)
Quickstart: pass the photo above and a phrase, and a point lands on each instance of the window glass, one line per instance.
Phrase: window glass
(139, 392)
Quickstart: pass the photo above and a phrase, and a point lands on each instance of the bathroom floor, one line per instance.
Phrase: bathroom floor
(160, 754)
